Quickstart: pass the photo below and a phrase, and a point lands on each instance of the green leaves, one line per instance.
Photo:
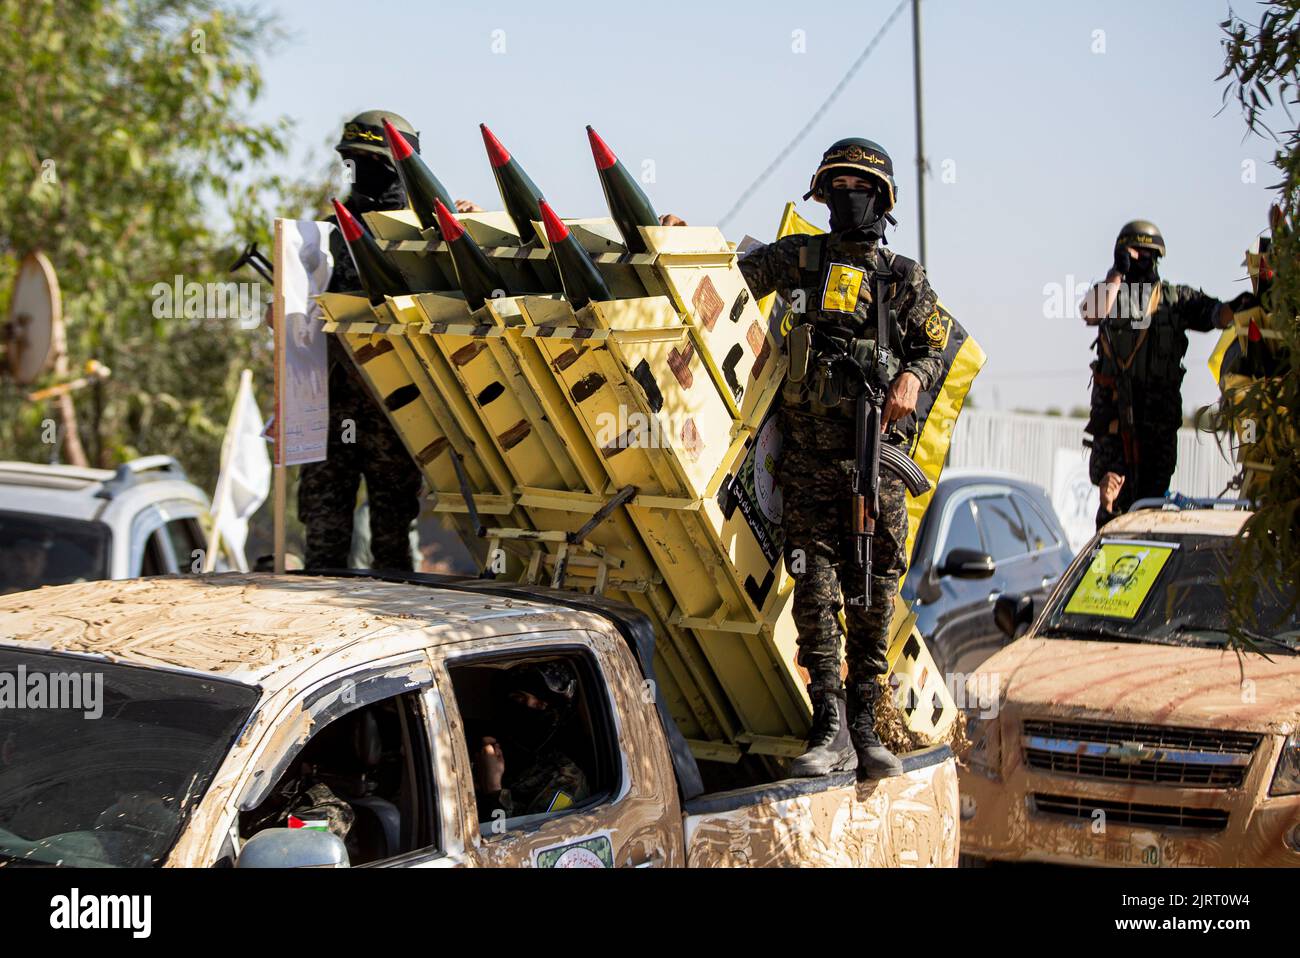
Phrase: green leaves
(1260, 66)
(123, 126)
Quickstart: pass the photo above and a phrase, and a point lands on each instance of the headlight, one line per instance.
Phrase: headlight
(1286, 780)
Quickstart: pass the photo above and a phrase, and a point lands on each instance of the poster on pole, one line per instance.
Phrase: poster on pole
(303, 265)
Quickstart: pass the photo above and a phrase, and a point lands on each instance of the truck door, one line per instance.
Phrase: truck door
(585, 780)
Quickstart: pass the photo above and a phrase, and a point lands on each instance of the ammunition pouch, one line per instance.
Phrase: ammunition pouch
(799, 345)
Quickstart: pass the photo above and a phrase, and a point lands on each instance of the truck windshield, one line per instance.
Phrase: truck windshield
(101, 765)
(37, 550)
(1166, 590)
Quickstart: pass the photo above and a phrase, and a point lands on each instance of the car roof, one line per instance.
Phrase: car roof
(1201, 522)
(262, 629)
(74, 492)
(967, 476)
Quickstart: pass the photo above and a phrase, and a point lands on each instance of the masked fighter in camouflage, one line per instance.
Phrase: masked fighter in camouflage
(832, 283)
(522, 771)
(1137, 377)
(327, 491)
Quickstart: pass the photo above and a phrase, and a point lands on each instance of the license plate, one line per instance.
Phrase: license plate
(1137, 851)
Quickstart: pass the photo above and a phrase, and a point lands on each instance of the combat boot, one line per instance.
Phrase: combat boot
(829, 749)
(874, 760)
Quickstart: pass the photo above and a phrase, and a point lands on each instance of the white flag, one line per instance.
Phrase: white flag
(245, 478)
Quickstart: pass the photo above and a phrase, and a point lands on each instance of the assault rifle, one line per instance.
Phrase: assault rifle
(866, 376)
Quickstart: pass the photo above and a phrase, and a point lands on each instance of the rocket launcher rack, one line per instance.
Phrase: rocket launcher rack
(625, 449)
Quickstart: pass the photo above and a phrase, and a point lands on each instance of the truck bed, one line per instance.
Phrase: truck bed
(907, 821)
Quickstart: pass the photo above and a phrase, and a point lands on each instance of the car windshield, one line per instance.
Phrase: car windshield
(37, 550)
(1166, 590)
(101, 765)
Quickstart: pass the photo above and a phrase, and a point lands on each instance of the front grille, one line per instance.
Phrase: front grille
(1144, 754)
(1131, 813)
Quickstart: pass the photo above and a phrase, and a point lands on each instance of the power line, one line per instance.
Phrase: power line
(817, 115)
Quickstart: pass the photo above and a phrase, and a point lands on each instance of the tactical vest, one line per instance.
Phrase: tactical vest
(1150, 359)
(850, 301)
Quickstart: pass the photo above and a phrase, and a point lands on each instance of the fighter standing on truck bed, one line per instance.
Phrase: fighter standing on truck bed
(327, 490)
(1137, 377)
(845, 288)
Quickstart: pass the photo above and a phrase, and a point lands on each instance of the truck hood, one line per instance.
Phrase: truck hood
(1155, 684)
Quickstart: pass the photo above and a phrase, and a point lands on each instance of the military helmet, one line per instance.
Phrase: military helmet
(555, 682)
(365, 133)
(853, 155)
(1143, 234)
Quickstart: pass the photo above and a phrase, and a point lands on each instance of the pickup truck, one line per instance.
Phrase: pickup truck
(188, 721)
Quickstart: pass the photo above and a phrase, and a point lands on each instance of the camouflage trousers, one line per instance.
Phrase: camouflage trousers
(816, 491)
(327, 491)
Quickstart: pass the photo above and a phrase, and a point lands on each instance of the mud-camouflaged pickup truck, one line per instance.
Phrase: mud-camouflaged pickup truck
(169, 721)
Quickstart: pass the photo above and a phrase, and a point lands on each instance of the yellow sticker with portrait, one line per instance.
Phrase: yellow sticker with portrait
(843, 286)
(1119, 579)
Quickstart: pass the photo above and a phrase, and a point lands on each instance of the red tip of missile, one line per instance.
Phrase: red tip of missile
(555, 230)
(352, 230)
(397, 144)
(497, 154)
(448, 225)
(605, 157)
(1253, 334)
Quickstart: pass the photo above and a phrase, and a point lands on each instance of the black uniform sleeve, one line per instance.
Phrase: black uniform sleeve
(1191, 308)
(923, 330)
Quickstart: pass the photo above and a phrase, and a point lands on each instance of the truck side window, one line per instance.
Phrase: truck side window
(539, 735)
(186, 538)
(364, 776)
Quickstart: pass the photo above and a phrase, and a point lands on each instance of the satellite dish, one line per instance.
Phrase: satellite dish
(34, 333)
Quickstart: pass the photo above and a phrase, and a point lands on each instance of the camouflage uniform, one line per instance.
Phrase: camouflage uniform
(327, 491)
(552, 782)
(816, 462)
(1155, 377)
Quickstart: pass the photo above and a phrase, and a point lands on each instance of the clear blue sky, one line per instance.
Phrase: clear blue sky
(1053, 146)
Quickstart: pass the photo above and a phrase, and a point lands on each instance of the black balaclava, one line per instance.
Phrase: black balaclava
(373, 178)
(532, 728)
(858, 214)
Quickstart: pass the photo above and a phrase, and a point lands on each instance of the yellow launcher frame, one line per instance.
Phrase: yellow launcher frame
(625, 449)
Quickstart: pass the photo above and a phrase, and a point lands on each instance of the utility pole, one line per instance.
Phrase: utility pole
(920, 135)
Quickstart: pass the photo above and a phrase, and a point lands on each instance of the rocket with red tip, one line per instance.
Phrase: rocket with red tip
(628, 204)
(519, 193)
(379, 277)
(475, 274)
(582, 281)
(422, 187)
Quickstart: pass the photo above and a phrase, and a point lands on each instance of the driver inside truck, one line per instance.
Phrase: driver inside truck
(521, 769)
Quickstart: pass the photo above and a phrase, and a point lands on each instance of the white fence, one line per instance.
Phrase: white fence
(1049, 451)
(1026, 446)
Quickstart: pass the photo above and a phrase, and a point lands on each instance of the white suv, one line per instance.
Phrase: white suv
(61, 524)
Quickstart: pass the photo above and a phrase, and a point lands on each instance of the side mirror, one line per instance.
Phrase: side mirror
(1010, 612)
(968, 564)
(293, 848)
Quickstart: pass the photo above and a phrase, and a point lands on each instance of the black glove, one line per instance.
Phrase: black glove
(1243, 302)
(1122, 261)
